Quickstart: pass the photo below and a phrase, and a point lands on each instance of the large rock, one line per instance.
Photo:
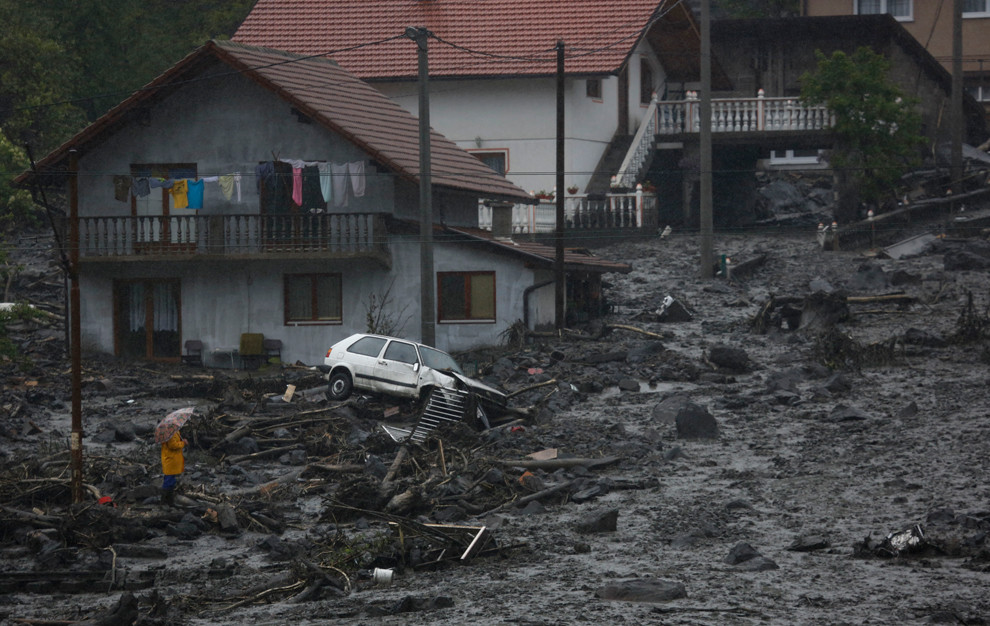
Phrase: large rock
(694, 421)
(642, 590)
(668, 408)
(599, 522)
(726, 357)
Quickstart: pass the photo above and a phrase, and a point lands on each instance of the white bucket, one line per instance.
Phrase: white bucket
(382, 576)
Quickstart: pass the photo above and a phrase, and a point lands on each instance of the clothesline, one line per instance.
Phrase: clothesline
(331, 178)
(187, 193)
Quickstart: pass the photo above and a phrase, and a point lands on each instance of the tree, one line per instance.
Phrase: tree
(877, 128)
(64, 63)
(755, 8)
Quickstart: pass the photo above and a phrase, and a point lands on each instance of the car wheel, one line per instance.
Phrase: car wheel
(340, 386)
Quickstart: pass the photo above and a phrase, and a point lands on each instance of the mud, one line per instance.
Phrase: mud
(831, 438)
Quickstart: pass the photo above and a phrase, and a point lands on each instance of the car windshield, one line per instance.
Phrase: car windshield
(438, 360)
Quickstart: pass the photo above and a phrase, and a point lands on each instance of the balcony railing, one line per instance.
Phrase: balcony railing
(352, 234)
(740, 115)
(617, 212)
(729, 115)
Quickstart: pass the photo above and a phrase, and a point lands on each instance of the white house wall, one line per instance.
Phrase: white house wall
(519, 116)
(637, 110)
(222, 300)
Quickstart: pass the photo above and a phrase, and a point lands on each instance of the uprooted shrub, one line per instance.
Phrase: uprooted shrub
(837, 350)
(972, 325)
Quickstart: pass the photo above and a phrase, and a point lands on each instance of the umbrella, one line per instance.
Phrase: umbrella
(172, 423)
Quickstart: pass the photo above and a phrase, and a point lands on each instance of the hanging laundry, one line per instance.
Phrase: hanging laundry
(195, 194)
(180, 193)
(227, 186)
(264, 175)
(339, 173)
(312, 194)
(276, 192)
(326, 181)
(356, 171)
(210, 179)
(122, 188)
(297, 194)
(237, 184)
(160, 183)
(140, 187)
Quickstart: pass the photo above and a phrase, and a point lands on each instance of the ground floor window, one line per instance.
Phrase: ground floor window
(313, 299)
(466, 296)
(147, 323)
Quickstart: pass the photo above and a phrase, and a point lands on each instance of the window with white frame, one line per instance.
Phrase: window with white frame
(976, 8)
(981, 93)
(902, 10)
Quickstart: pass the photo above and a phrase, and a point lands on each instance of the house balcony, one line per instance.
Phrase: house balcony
(757, 120)
(235, 237)
(632, 213)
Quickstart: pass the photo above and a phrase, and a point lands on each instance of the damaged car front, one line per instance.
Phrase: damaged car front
(404, 369)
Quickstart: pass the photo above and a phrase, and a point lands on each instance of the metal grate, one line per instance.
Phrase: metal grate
(444, 405)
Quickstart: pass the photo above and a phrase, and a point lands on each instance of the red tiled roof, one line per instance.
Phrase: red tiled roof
(476, 37)
(333, 98)
(574, 259)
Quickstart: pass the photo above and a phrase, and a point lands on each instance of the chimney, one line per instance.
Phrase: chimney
(502, 220)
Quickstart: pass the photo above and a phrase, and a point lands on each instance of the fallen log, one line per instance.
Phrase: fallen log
(343, 468)
(269, 486)
(894, 297)
(552, 381)
(539, 495)
(31, 517)
(554, 464)
(396, 463)
(264, 454)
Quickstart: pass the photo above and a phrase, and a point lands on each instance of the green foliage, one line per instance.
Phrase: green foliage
(755, 8)
(877, 128)
(16, 208)
(64, 63)
(19, 312)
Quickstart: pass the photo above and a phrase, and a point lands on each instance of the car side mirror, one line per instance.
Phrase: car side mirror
(416, 366)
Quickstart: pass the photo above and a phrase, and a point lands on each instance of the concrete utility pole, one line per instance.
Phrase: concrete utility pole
(558, 265)
(957, 96)
(427, 285)
(707, 247)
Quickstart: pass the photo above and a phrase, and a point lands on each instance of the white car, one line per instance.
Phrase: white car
(399, 367)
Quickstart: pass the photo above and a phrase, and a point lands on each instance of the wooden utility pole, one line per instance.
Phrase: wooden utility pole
(558, 265)
(957, 96)
(75, 328)
(426, 280)
(705, 139)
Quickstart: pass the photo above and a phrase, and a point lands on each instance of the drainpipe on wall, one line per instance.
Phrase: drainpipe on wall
(529, 290)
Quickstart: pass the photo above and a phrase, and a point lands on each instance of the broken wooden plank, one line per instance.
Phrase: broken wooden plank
(553, 464)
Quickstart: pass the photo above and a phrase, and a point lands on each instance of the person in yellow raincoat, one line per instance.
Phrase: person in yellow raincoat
(173, 464)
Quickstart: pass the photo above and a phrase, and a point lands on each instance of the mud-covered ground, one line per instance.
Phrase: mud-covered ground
(869, 421)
